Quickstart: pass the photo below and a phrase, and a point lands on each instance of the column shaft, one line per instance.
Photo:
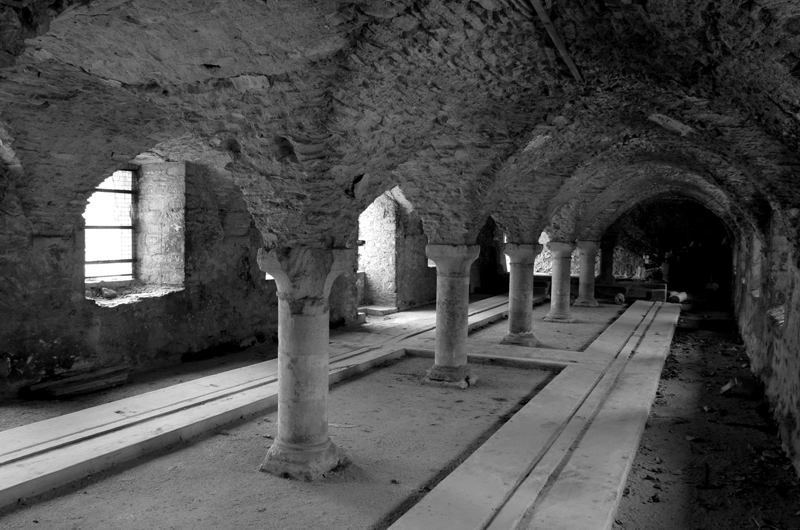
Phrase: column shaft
(588, 255)
(304, 276)
(606, 262)
(520, 294)
(452, 311)
(559, 288)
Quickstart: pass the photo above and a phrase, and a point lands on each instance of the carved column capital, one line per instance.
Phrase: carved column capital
(304, 275)
(452, 260)
(522, 253)
(588, 247)
(560, 249)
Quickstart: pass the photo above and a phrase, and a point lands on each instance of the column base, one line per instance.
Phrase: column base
(563, 319)
(585, 303)
(521, 339)
(461, 376)
(302, 462)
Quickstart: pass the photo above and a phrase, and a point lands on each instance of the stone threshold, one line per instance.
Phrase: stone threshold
(41, 456)
(378, 310)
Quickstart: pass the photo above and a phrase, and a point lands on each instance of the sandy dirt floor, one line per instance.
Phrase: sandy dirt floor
(401, 435)
(589, 323)
(709, 461)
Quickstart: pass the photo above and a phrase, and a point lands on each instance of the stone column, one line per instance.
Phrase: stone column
(559, 287)
(588, 253)
(520, 294)
(606, 261)
(304, 276)
(452, 310)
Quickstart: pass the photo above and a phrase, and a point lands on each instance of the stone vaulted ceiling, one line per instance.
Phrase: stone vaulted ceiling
(314, 108)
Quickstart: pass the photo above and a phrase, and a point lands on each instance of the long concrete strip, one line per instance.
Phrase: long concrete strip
(473, 494)
(586, 493)
(517, 507)
(44, 455)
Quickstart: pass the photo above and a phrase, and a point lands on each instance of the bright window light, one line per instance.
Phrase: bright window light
(109, 230)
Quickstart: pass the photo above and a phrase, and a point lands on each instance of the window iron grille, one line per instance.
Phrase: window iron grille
(109, 241)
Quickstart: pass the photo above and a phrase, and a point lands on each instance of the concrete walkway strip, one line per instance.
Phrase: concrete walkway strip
(473, 494)
(586, 493)
(27, 440)
(517, 509)
(51, 469)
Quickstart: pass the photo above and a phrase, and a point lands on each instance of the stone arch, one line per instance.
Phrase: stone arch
(594, 194)
(610, 205)
(393, 270)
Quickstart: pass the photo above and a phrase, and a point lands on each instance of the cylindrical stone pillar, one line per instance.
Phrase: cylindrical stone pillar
(588, 254)
(520, 294)
(606, 262)
(304, 276)
(559, 287)
(452, 312)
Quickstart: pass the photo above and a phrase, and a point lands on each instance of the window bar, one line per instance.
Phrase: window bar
(109, 261)
(111, 190)
(135, 225)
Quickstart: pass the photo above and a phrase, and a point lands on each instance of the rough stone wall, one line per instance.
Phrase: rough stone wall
(344, 300)
(544, 260)
(48, 326)
(767, 304)
(377, 227)
(160, 223)
(626, 262)
(416, 282)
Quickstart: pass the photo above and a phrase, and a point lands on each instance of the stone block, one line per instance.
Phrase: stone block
(658, 295)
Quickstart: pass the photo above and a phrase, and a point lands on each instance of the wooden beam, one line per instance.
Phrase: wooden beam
(551, 29)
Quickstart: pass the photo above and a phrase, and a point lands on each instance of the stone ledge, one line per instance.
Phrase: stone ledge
(130, 294)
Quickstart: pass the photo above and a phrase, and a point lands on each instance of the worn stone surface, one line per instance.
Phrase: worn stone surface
(560, 288)
(301, 113)
(453, 263)
(160, 224)
(304, 277)
(588, 263)
(377, 257)
(416, 281)
(521, 258)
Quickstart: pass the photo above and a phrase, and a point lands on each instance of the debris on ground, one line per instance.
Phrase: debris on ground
(716, 442)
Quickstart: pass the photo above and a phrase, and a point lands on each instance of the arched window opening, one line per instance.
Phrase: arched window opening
(134, 230)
